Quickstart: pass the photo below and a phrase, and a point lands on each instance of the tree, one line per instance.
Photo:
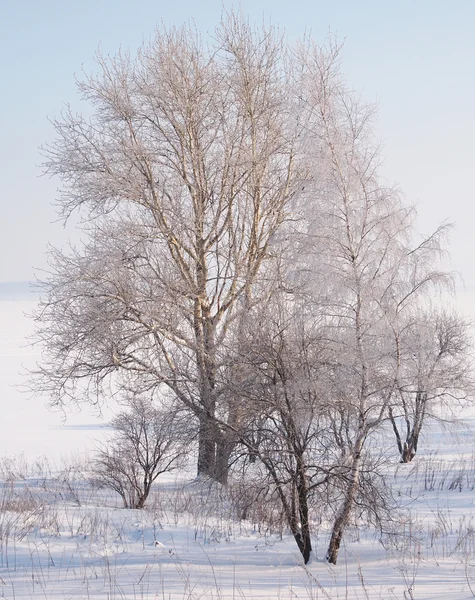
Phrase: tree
(357, 248)
(435, 372)
(183, 175)
(216, 183)
(284, 428)
(144, 444)
(299, 422)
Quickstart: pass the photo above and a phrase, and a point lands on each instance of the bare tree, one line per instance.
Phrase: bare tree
(183, 174)
(284, 425)
(217, 182)
(435, 375)
(298, 425)
(358, 247)
(144, 444)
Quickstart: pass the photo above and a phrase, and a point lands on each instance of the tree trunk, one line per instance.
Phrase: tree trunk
(141, 500)
(343, 516)
(301, 532)
(396, 431)
(143, 495)
(408, 453)
(304, 543)
(303, 539)
(299, 502)
(206, 448)
(224, 447)
(412, 439)
(414, 422)
(410, 447)
(299, 524)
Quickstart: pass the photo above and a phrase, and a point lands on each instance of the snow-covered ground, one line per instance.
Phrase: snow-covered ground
(26, 426)
(60, 538)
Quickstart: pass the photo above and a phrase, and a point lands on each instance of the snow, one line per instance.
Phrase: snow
(27, 427)
(59, 538)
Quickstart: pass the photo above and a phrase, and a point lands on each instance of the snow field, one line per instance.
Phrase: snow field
(62, 538)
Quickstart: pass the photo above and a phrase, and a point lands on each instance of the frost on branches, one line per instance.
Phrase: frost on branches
(243, 261)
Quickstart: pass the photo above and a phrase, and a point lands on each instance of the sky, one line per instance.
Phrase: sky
(415, 59)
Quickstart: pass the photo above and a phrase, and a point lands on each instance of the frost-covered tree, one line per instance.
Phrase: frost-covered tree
(182, 174)
(241, 255)
(361, 268)
(284, 428)
(144, 444)
(435, 375)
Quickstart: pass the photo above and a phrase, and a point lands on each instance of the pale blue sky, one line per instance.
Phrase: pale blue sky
(415, 58)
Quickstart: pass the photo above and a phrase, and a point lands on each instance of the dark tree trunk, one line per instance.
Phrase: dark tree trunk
(298, 504)
(412, 438)
(301, 532)
(304, 543)
(299, 523)
(414, 423)
(143, 495)
(396, 431)
(206, 448)
(141, 500)
(410, 447)
(224, 447)
(407, 454)
(303, 537)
